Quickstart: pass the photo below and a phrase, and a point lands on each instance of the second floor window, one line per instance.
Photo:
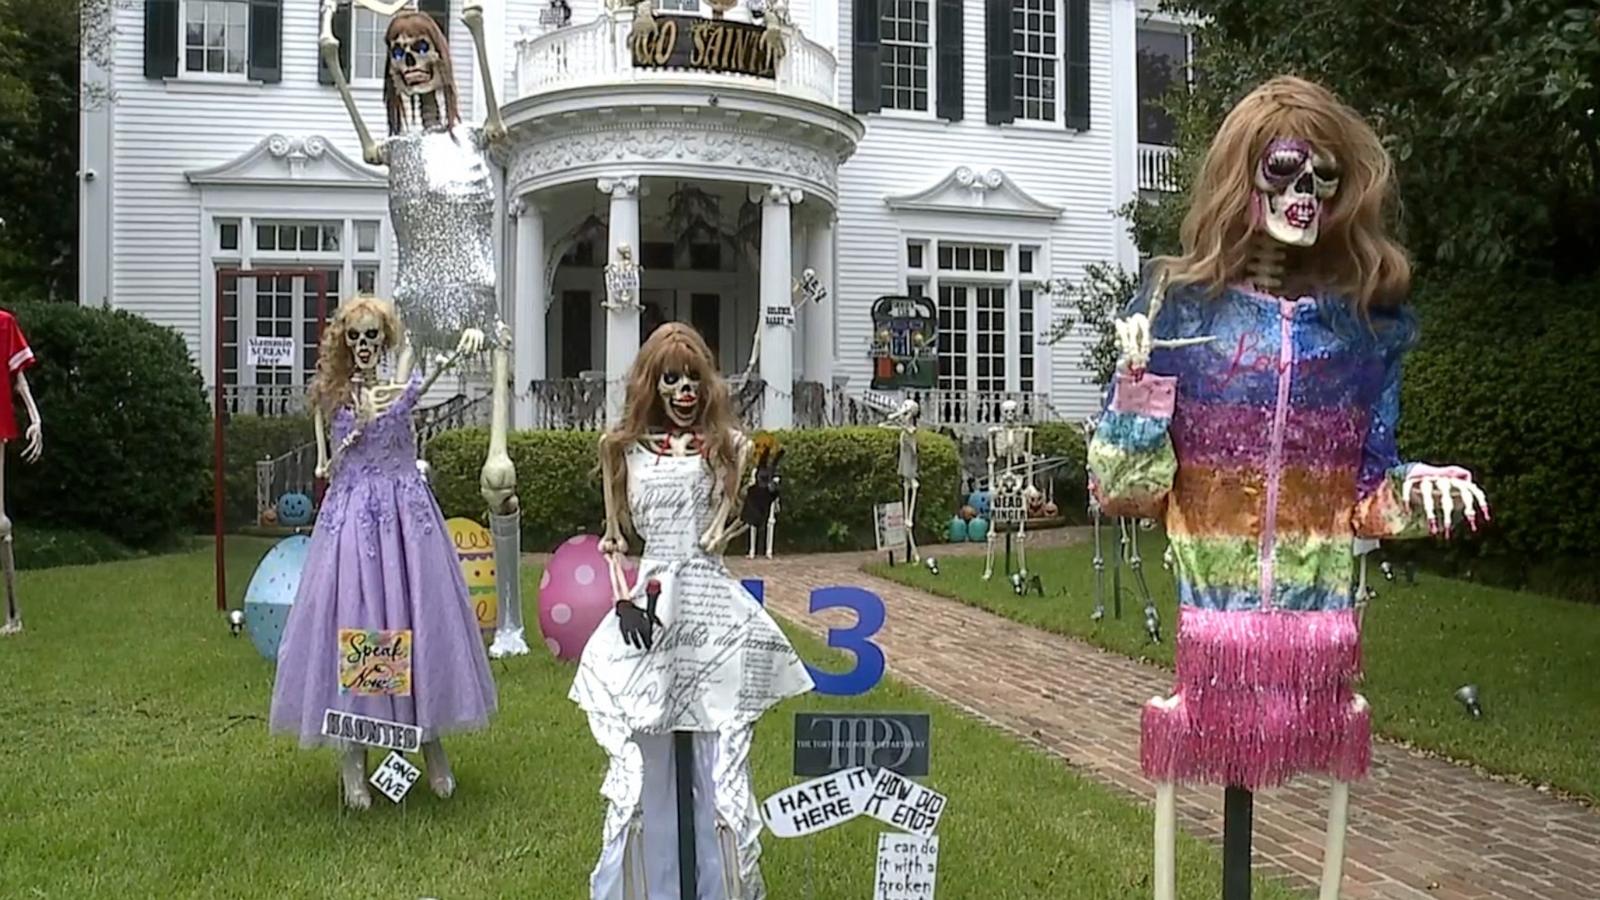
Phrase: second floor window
(216, 36)
(906, 42)
(1036, 28)
(1163, 61)
(371, 57)
(678, 5)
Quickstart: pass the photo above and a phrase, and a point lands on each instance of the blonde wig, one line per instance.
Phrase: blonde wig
(419, 25)
(330, 387)
(675, 347)
(1354, 256)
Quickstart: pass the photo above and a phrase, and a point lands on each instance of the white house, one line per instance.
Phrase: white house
(966, 152)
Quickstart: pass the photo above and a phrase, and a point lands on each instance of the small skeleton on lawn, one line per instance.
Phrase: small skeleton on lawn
(1011, 487)
(760, 512)
(905, 419)
(683, 648)
(19, 358)
(441, 204)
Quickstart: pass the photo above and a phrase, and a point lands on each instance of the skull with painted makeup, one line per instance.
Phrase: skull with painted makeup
(416, 62)
(1293, 182)
(680, 394)
(366, 339)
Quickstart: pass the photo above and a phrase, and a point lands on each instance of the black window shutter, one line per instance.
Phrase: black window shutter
(266, 40)
(161, 33)
(949, 83)
(1001, 63)
(440, 10)
(1077, 65)
(341, 30)
(866, 61)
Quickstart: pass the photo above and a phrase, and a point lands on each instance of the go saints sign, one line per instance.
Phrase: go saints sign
(707, 45)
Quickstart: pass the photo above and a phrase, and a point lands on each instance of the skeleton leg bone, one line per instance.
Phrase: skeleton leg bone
(13, 622)
(910, 497)
(498, 483)
(772, 526)
(353, 775)
(1338, 819)
(439, 775)
(1166, 836)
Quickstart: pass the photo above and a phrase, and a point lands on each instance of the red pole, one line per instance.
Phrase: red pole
(320, 485)
(216, 440)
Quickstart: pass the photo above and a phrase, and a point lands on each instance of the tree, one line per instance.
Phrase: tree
(1091, 306)
(1488, 106)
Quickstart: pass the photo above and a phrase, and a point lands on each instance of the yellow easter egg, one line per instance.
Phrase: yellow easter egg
(475, 548)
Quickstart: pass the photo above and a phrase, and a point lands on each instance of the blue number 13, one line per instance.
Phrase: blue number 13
(855, 640)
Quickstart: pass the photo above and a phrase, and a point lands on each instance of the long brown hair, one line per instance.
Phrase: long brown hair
(674, 347)
(1354, 255)
(331, 385)
(419, 25)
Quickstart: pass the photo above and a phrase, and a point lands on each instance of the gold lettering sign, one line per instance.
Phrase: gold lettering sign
(705, 45)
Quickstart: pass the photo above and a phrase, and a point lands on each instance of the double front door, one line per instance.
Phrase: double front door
(702, 309)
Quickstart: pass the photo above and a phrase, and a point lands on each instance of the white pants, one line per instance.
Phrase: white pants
(648, 870)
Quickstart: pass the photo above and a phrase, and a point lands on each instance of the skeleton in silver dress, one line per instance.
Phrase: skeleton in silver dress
(441, 206)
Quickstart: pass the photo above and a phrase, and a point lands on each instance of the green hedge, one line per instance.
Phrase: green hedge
(1497, 384)
(831, 479)
(246, 439)
(48, 547)
(124, 425)
(1059, 439)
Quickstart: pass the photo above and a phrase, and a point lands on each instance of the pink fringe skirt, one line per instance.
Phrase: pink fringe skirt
(1261, 697)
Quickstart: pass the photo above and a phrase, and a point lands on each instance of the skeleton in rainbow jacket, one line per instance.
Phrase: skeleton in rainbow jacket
(1254, 413)
(441, 205)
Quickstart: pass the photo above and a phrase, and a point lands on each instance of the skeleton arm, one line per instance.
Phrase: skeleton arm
(330, 58)
(612, 544)
(320, 423)
(35, 432)
(494, 128)
(718, 533)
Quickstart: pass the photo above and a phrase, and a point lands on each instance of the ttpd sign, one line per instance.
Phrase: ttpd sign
(825, 743)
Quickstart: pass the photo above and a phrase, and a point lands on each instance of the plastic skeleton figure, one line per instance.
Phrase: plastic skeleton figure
(674, 665)
(1010, 444)
(18, 359)
(907, 464)
(1267, 664)
(441, 204)
(760, 513)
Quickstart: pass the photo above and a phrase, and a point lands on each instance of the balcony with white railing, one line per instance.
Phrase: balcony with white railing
(1155, 162)
(601, 53)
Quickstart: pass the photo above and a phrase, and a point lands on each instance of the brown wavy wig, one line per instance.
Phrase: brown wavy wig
(1354, 256)
(415, 25)
(330, 387)
(675, 347)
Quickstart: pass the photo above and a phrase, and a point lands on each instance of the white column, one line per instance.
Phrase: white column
(819, 316)
(777, 337)
(530, 310)
(1124, 122)
(797, 264)
(622, 323)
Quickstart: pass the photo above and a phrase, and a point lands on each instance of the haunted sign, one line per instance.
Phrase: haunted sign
(705, 45)
(905, 344)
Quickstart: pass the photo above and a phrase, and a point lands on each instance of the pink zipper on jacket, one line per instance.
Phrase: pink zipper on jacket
(1280, 417)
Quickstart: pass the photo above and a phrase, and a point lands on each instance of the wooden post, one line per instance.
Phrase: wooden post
(1238, 809)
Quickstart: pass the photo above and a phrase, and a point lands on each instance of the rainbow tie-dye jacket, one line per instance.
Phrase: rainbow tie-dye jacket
(1265, 452)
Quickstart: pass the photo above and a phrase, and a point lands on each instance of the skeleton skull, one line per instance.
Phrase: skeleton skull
(680, 394)
(365, 339)
(1008, 411)
(1292, 182)
(415, 65)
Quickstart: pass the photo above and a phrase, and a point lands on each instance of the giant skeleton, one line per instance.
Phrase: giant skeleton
(441, 205)
(1011, 486)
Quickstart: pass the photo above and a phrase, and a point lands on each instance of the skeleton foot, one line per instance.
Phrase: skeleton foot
(12, 626)
(353, 775)
(439, 775)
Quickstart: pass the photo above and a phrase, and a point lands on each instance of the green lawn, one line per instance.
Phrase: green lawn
(1533, 658)
(137, 764)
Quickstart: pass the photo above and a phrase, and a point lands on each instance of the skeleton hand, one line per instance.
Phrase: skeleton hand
(321, 471)
(1446, 482)
(1134, 343)
(325, 39)
(35, 446)
(383, 396)
(472, 341)
(639, 625)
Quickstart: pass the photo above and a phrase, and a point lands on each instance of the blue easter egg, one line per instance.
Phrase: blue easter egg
(978, 529)
(294, 509)
(271, 593)
(958, 529)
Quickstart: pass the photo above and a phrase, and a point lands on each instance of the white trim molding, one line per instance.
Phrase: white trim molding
(969, 189)
(279, 160)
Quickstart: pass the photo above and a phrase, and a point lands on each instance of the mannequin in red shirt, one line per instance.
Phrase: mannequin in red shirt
(18, 358)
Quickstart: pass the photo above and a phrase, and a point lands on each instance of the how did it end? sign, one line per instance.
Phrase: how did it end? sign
(904, 803)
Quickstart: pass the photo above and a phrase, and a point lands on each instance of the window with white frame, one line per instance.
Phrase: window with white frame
(677, 5)
(216, 36)
(370, 55)
(348, 253)
(1036, 42)
(1164, 56)
(907, 39)
(987, 308)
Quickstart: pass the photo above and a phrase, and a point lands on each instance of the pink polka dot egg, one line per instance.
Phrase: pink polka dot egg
(575, 595)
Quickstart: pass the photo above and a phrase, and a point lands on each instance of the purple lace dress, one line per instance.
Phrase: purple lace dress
(382, 560)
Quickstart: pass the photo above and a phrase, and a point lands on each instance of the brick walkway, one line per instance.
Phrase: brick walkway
(1421, 829)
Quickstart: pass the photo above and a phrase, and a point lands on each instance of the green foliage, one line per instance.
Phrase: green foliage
(1093, 304)
(1071, 490)
(47, 547)
(831, 479)
(1505, 408)
(1487, 107)
(245, 440)
(124, 421)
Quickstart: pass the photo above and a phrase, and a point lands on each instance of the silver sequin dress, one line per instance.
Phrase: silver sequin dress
(441, 205)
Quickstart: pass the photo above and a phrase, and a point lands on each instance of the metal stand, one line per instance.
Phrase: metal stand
(1116, 573)
(1238, 809)
(683, 765)
(1008, 554)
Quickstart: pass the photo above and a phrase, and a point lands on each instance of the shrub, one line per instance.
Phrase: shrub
(831, 479)
(1065, 441)
(246, 439)
(1496, 385)
(49, 547)
(124, 424)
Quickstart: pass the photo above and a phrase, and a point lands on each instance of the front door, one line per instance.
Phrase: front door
(702, 309)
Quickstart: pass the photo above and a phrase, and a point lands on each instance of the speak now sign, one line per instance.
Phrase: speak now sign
(818, 804)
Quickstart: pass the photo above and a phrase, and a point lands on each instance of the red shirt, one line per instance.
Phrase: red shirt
(18, 356)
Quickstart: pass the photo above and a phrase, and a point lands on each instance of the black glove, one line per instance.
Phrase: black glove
(639, 625)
